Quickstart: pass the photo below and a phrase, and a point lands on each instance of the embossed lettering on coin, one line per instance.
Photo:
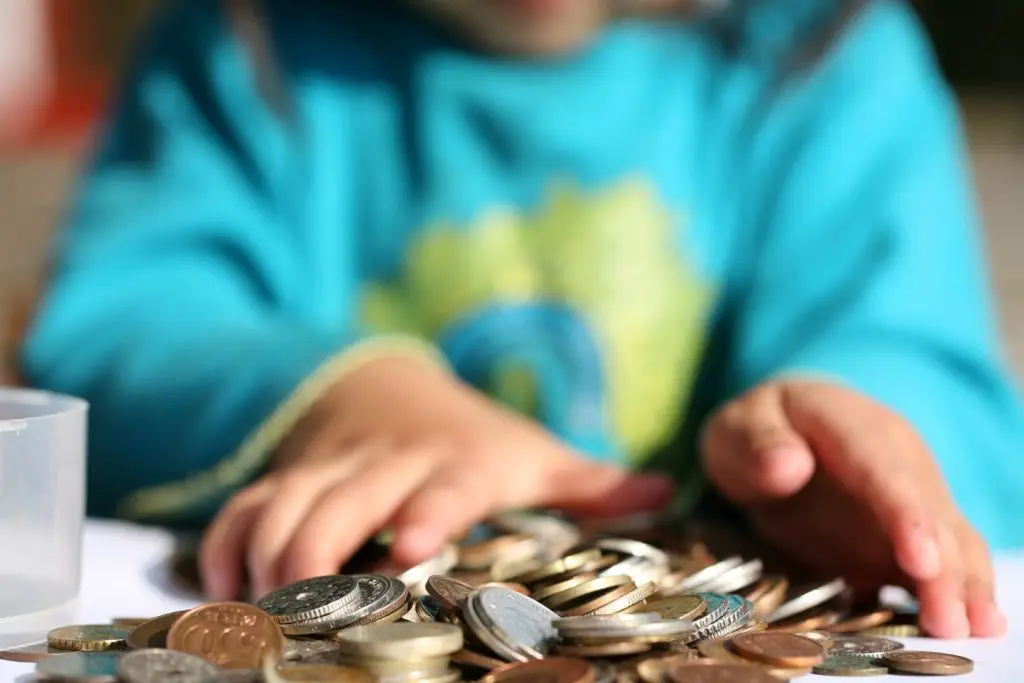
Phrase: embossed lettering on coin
(231, 635)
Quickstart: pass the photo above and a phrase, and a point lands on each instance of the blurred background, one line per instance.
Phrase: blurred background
(59, 59)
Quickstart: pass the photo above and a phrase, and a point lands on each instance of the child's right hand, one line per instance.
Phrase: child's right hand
(403, 445)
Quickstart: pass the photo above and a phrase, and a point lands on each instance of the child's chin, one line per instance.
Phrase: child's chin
(538, 42)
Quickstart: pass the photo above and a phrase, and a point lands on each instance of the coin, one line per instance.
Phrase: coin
(607, 649)
(87, 638)
(301, 649)
(447, 591)
(483, 554)
(712, 671)
(927, 663)
(893, 631)
(811, 620)
(522, 623)
(820, 637)
(681, 607)
(560, 566)
(780, 649)
(309, 599)
(655, 631)
(429, 609)
(694, 582)
(850, 667)
(863, 646)
(717, 606)
(375, 596)
(391, 607)
(594, 622)
(609, 596)
(632, 599)
(31, 653)
(400, 641)
(164, 666)
(543, 592)
(315, 673)
(771, 598)
(654, 670)
(152, 633)
(862, 621)
(232, 635)
(805, 599)
(129, 622)
(717, 648)
(514, 587)
(475, 659)
(569, 596)
(80, 667)
(735, 578)
(550, 670)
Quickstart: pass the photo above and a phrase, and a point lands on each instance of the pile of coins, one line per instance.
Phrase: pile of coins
(529, 598)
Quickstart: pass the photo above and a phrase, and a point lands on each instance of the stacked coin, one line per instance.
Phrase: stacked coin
(528, 596)
(402, 652)
(327, 604)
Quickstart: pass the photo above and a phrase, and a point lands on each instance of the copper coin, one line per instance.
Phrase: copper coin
(448, 592)
(780, 649)
(129, 622)
(712, 671)
(655, 669)
(614, 649)
(772, 598)
(928, 663)
(862, 621)
(717, 648)
(758, 590)
(811, 620)
(549, 670)
(31, 653)
(152, 633)
(232, 635)
(476, 660)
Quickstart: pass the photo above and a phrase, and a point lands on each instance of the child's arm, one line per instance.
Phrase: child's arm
(167, 307)
(869, 269)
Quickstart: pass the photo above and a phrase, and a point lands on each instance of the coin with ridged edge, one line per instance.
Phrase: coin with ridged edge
(780, 649)
(448, 592)
(87, 638)
(309, 599)
(862, 646)
(927, 663)
(164, 666)
(850, 667)
(681, 607)
(524, 625)
(400, 641)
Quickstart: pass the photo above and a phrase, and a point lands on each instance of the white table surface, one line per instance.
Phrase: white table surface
(124, 576)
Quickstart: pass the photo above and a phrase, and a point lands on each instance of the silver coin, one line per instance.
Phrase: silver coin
(664, 628)
(603, 672)
(521, 622)
(80, 667)
(442, 563)
(303, 649)
(599, 622)
(555, 534)
(625, 546)
(373, 592)
(239, 676)
(735, 579)
(641, 570)
(694, 582)
(164, 666)
(484, 634)
(717, 606)
(309, 599)
(809, 599)
(862, 646)
(739, 614)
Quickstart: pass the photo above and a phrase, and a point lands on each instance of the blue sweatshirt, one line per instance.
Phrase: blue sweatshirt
(615, 241)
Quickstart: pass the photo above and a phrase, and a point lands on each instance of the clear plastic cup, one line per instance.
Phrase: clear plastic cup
(42, 507)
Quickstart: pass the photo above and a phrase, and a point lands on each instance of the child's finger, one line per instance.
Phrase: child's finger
(979, 586)
(943, 611)
(445, 505)
(349, 513)
(599, 490)
(298, 488)
(222, 551)
(752, 453)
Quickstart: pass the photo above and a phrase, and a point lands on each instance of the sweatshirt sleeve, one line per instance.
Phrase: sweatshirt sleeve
(166, 302)
(869, 267)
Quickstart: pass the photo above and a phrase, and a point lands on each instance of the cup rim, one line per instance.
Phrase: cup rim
(52, 404)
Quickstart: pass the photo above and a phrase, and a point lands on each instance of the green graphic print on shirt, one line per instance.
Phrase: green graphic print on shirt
(582, 313)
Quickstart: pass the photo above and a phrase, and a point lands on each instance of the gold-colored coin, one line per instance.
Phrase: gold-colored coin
(480, 556)
(606, 649)
(625, 602)
(153, 633)
(609, 596)
(571, 595)
(87, 638)
(681, 607)
(319, 673)
(542, 593)
(129, 622)
(896, 631)
(569, 563)
(718, 648)
(772, 598)
(653, 670)
(860, 622)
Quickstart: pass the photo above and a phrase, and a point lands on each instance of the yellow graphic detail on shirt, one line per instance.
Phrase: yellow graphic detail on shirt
(612, 256)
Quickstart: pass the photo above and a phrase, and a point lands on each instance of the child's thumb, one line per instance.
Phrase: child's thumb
(752, 453)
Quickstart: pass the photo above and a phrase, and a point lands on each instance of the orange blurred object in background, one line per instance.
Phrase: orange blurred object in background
(58, 59)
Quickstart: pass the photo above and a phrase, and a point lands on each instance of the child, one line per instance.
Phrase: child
(360, 265)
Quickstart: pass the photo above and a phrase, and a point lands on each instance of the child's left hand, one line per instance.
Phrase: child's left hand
(846, 486)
